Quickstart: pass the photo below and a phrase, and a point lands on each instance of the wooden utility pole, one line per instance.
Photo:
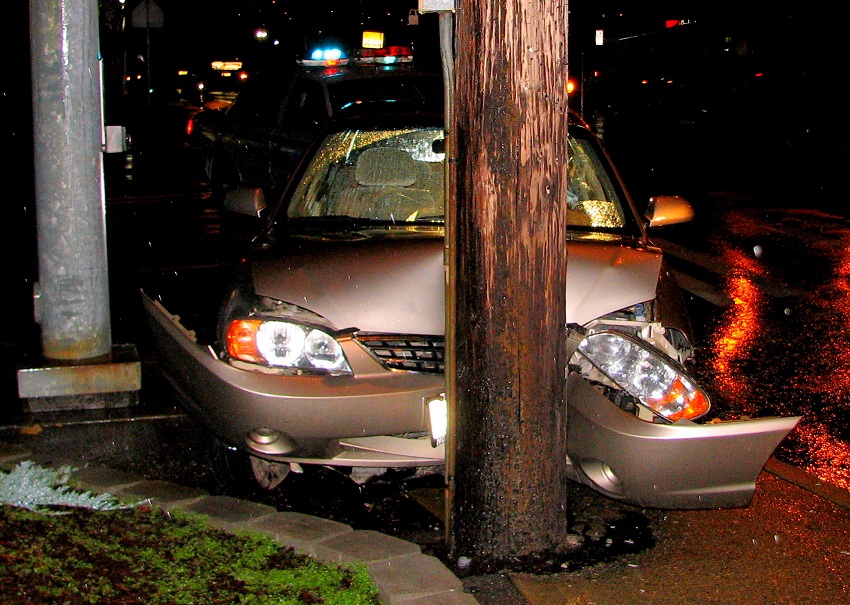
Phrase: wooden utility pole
(506, 463)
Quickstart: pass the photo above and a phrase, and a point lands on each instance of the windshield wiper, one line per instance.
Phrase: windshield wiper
(346, 223)
(428, 218)
(337, 221)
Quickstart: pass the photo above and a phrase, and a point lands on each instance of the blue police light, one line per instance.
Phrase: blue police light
(325, 57)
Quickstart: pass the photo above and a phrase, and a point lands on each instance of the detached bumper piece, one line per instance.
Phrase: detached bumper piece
(683, 465)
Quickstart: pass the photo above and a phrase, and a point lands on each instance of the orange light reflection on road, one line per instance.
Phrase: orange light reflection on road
(820, 377)
(739, 327)
(831, 458)
(835, 294)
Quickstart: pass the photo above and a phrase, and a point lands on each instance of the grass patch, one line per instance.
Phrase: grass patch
(72, 554)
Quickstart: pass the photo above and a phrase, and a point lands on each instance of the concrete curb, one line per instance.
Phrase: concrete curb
(801, 478)
(401, 572)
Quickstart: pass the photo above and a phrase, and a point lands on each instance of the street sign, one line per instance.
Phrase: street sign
(147, 15)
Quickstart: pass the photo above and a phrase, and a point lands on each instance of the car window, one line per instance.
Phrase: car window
(306, 105)
(593, 198)
(385, 175)
(397, 175)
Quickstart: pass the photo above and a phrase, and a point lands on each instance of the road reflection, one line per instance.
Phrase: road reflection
(766, 355)
(735, 336)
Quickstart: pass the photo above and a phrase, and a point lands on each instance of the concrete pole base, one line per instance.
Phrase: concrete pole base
(113, 382)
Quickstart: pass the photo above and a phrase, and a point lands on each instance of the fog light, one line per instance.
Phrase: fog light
(268, 441)
(438, 414)
(602, 475)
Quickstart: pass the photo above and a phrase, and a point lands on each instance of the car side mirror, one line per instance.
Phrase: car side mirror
(666, 210)
(245, 200)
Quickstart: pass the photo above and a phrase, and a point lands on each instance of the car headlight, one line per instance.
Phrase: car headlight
(284, 344)
(648, 375)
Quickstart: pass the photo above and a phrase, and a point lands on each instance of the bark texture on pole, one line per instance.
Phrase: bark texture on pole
(510, 178)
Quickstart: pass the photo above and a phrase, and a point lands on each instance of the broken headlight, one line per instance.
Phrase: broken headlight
(652, 378)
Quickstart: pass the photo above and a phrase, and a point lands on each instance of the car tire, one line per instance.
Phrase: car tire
(236, 471)
(231, 468)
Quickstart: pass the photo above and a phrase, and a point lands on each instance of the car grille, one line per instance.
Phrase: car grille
(408, 352)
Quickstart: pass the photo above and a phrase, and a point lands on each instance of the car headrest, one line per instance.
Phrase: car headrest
(385, 167)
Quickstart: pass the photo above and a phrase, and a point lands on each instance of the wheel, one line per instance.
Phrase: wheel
(236, 471)
(231, 467)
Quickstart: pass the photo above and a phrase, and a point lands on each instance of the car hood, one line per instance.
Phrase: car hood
(395, 285)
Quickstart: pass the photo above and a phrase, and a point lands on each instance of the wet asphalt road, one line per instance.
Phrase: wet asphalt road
(777, 343)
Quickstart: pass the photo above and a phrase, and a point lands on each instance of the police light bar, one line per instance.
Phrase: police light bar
(325, 57)
(386, 56)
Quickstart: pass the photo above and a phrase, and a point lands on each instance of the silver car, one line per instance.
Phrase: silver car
(330, 342)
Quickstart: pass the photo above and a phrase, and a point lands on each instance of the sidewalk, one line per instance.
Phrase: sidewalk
(402, 573)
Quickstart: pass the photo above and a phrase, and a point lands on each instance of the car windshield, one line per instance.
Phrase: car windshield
(385, 175)
(396, 176)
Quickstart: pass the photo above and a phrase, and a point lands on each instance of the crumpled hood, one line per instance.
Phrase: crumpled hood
(397, 285)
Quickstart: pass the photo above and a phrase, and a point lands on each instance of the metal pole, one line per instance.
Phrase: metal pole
(148, 52)
(71, 297)
(446, 24)
(581, 87)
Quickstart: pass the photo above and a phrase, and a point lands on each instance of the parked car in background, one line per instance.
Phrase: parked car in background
(259, 139)
(202, 126)
(329, 348)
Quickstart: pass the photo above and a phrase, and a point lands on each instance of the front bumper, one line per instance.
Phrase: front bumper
(345, 420)
(681, 465)
(350, 421)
